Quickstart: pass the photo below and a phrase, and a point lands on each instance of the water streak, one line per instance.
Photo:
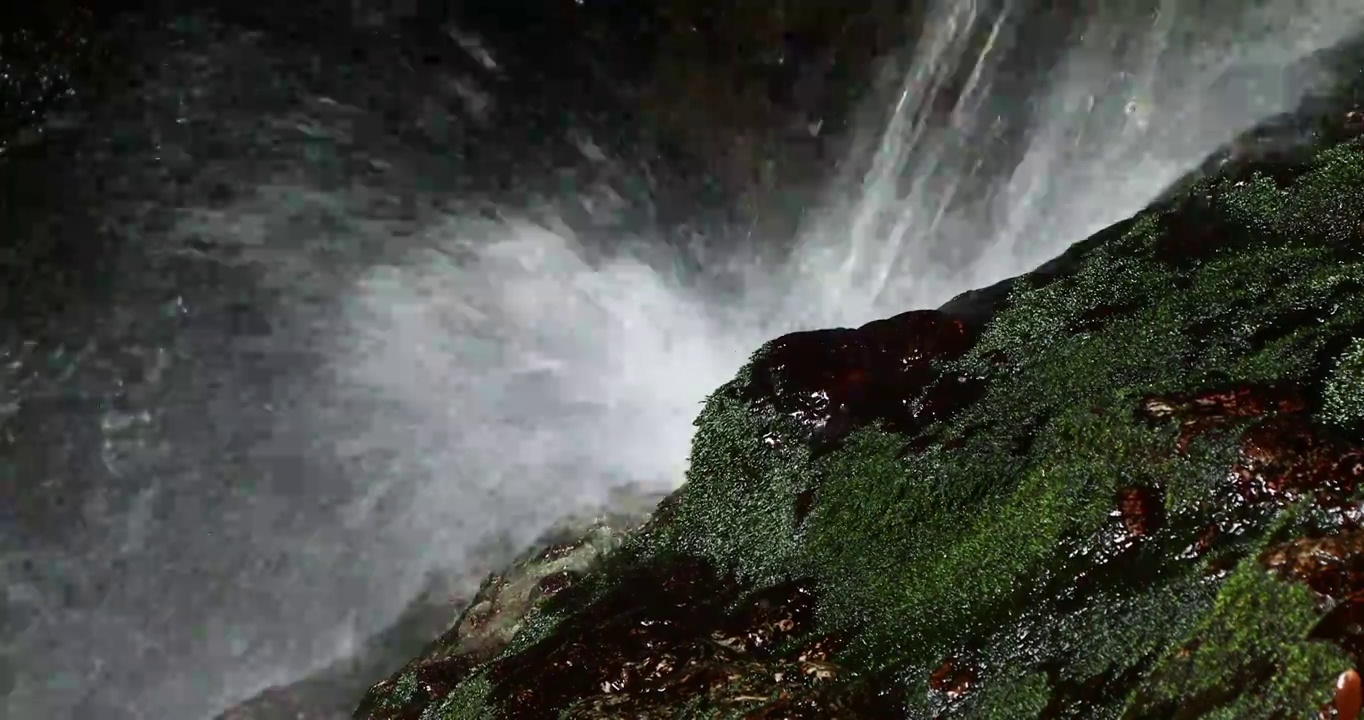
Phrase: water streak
(1017, 133)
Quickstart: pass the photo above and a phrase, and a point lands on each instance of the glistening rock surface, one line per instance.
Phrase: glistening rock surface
(490, 615)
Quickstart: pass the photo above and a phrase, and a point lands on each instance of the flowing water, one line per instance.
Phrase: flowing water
(306, 395)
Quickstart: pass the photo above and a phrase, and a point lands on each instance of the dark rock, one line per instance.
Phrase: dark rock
(472, 628)
(832, 382)
(1140, 511)
(953, 679)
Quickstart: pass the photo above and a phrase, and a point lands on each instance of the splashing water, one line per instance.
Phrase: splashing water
(276, 498)
(1015, 134)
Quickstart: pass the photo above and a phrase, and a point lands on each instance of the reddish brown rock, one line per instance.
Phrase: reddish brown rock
(1282, 458)
(1098, 318)
(1202, 412)
(551, 585)
(1349, 697)
(822, 649)
(1354, 121)
(832, 381)
(1203, 543)
(1141, 511)
(768, 619)
(657, 639)
(953, 679)
(1333, 568)
(1286, 458)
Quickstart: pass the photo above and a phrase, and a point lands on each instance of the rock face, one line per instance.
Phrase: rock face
(488, 620)
(46, 53)
(1124, 485)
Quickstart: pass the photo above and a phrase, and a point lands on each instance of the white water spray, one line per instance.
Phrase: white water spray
(1141, 93)
(489, 378)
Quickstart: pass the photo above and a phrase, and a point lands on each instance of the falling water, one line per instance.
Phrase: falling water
(1016, 133)
(278, 477)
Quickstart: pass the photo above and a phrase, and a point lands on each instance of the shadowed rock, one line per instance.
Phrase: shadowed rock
(470, 626)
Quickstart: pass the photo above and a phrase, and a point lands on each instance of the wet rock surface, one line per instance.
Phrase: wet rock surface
(473, 621)
(1124, 486)
(833, 381)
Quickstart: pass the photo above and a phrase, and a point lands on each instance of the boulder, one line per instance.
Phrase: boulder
(1125, 485)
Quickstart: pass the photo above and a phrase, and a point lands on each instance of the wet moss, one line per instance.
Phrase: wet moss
(922, 554)
(1344, 393)
(468, 701)
(1326, 204)
(1250, 657)
(1051, 514)
(404, 692)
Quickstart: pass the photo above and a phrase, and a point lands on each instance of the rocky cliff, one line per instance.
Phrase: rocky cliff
(1123, 485)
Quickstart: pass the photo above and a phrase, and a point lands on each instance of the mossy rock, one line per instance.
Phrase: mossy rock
(503, 605)
(1123, 486)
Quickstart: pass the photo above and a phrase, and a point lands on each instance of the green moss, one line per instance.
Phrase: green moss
(973, 524)
(922, 554)
(746, 522)
(1312, 208)
(928, 554)
(403, 691)
(1344, 395)
(468, 701)
(1250, 657)
(1011, 698)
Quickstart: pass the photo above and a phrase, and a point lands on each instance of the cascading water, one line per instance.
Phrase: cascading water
(1016, 133)
(273, 474)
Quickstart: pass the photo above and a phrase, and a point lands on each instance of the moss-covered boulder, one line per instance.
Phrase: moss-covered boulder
(1123, 486)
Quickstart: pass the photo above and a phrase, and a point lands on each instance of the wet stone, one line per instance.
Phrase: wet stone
(1203, 543)
(665, 635)
(1140, 512)
(1332, 566)
(1354, 122)
(1201, 412)
(1287, 458)
(774, 615)
(1283, 455)
(548, 573)
(551, 585)
(949, 395)
(834, 381)
(1071, 698)
(1285, 324)
(953, 679)
(1127, 581)
(822, 649)
(805, 502)
(1195, 234)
